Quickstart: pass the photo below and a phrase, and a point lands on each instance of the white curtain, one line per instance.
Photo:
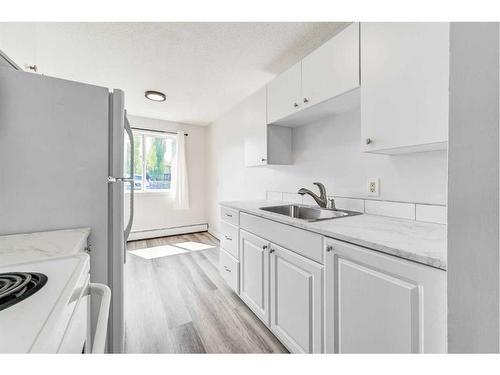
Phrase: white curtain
(181, 175)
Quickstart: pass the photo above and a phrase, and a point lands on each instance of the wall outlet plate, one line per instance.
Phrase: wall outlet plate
(373, 187)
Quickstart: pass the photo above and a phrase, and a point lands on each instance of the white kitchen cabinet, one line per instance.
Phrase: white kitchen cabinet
(376, 303)
(302, 242)
(254, 274)
(312, 88)
(229, 238)
(264, 144)
(229, 268)
(332, 69)
(255, 123)
(296, 301)
(284, 94)
(404, 86)
(229, 215)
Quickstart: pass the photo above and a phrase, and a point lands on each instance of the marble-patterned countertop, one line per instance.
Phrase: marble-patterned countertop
(413, 240)
(20, 248)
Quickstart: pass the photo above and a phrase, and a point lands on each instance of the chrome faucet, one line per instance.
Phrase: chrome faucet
(322, 200)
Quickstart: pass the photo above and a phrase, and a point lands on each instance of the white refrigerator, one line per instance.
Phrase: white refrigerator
(62, 166)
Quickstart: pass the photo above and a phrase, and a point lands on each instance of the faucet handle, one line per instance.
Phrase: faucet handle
(331, 204)
(322, 189)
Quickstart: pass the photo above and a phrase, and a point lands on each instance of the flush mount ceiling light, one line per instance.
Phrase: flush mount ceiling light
(155, 96)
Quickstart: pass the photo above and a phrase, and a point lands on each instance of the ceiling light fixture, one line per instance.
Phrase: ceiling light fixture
(155, 96)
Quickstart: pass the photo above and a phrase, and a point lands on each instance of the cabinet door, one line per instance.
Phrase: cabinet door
(254, 274)
(264, 144)
(376, 303)
(404, 86)
(333, 68)
(284, 94)
(296, 301)
(254, 121)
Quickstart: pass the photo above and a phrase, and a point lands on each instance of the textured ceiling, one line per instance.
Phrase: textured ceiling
(203, 68)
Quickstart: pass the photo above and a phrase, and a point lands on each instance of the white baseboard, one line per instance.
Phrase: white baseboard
(145, 234)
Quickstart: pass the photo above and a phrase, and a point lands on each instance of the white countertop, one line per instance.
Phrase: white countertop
(413, 240)
(19, 248)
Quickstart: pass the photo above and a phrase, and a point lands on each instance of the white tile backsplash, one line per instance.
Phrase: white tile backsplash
(392, 209)
(351, 204)
(274, 196)
(292, 197)
(406, 210)
(431, 214)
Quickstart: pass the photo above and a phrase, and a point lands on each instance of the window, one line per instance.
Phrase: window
(154, 158)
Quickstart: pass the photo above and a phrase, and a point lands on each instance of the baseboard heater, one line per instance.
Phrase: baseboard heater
(154, 233)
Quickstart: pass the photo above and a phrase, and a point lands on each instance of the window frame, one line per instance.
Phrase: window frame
(159, 134)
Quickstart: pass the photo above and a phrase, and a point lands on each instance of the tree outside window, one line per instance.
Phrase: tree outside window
(154, 154)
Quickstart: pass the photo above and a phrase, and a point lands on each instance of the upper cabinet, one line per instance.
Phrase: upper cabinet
(295, 96)
(284, 95)
(396, 73)
(404, 86)
(332, 69)
(264, 144)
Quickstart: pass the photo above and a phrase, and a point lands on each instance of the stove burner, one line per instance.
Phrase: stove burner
(16, 286)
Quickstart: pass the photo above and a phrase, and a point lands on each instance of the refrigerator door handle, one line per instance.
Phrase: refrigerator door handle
(112, 179)
(128, 228)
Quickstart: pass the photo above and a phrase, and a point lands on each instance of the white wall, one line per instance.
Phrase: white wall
(153, 211)
(328, 151)
(473, 204)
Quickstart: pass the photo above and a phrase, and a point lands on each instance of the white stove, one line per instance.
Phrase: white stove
(45, 307)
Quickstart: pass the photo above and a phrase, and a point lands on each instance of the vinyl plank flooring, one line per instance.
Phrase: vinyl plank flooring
(148, 333)
(181, 304)
(186, 339)
(173, 303)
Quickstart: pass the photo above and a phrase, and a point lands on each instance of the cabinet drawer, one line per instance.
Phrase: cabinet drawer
(229, 238)
(229, 215)
(229, 269)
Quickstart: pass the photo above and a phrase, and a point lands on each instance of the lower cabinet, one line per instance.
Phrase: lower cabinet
(296, 301)
(285, 290)
(229, 268)
(376, 303)
(318, 294)
(254, 274)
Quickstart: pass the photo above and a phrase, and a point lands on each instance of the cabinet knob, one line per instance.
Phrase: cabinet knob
(264, 247)
(306, 100)
(295, 105)
(271, 251)
(368, 141)
(263, 159)
(329, 248)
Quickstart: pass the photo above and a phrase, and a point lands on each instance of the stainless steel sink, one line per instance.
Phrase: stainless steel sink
(309, 213)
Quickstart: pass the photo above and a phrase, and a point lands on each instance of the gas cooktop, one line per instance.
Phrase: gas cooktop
(17, 286)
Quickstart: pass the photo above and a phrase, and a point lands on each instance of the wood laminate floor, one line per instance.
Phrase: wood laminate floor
(180, 304)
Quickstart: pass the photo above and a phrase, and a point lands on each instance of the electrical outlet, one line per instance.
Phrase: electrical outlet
(373, 187)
